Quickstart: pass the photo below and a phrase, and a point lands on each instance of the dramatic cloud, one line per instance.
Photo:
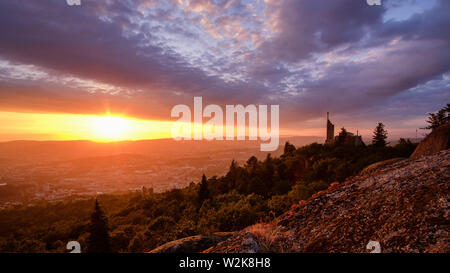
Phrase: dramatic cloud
(142, 57)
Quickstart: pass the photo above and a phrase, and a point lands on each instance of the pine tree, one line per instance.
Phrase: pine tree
(268, 172)
(233, 174)
(203, 192)
(379, 136)
(437, 119)
(98, 240)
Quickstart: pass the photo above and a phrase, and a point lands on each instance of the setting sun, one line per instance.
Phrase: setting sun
(111, 128)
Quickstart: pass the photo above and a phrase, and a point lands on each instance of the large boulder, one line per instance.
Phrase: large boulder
(377, 167)
(403, 206)
(436, 141)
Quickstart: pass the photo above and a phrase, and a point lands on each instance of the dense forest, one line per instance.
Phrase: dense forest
(140, 221)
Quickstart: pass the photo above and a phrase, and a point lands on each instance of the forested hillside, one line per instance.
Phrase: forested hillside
(255, 192)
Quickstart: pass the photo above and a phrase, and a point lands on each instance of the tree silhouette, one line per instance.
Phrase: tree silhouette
(437, 119)
(268, 173)
(342, 136)
(203, 192)
(289, 149)
(233, 174)
(379, 136)
(251, 164)
(98, 240)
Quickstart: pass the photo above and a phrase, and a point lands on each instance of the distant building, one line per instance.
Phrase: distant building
(343, 137)
(330, 130)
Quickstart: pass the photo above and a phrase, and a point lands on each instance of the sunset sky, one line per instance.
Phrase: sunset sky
(63, 68)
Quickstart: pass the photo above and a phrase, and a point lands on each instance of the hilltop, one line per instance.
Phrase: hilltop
(404, 205)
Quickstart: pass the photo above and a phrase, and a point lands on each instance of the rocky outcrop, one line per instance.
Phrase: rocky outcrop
(437, 140)
(374, 168)
(242, 242)
(403, 206)
(193, 244)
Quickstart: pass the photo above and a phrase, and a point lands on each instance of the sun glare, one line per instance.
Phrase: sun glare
(111, 128)
(75, 127)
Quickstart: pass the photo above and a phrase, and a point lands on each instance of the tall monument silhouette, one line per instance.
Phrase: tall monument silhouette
(330, 130)
(348, 139)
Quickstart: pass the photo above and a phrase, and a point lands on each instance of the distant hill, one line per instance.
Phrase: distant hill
(24, 150)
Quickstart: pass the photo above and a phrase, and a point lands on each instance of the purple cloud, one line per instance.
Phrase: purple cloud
(143, 57)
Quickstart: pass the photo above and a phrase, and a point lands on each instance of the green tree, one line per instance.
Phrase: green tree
(98, 240)
(379, 136)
